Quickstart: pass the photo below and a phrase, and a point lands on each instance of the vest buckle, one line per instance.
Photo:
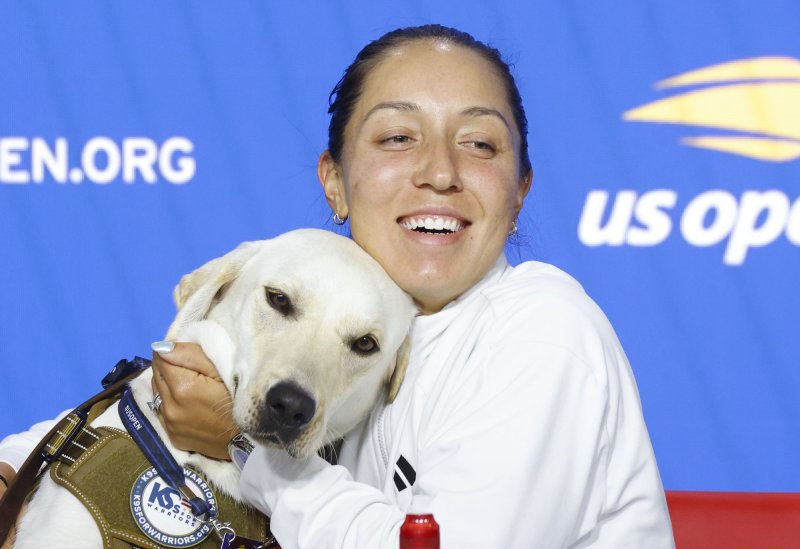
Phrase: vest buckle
(61, 440)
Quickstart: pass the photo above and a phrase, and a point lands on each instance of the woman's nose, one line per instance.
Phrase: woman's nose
(438, 168)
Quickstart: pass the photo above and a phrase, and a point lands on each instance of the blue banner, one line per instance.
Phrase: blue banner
(140, 139)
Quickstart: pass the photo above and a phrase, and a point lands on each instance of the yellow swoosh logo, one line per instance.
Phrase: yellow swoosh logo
(757, 98)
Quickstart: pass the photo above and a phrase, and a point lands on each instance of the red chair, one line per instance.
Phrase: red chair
(735, 520)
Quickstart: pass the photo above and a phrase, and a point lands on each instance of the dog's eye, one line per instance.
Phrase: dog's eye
(365, 345)
(279, 301)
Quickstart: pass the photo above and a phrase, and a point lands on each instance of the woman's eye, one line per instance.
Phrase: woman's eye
(395, 140)
(279, 301)
(392, 142)
(365, 345)
(482, 146)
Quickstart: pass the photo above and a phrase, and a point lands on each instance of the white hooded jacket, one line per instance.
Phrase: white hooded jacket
(518, 426)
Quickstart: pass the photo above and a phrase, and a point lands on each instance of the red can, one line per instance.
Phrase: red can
(419, 532)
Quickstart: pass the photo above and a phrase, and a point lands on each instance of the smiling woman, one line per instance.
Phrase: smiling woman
(431, 172)
(518, 423)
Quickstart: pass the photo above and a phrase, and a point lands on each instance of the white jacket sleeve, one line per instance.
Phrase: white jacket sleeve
(315, 504)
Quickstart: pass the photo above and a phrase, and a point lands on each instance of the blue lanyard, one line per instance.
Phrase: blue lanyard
(148, 441)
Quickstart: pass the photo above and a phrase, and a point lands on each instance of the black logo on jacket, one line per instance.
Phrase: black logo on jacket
(404, 474)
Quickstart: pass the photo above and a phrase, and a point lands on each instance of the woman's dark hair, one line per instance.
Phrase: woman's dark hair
(345, 94)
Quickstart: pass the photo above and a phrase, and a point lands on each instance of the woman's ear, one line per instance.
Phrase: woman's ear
(330, 176)
(522, 192)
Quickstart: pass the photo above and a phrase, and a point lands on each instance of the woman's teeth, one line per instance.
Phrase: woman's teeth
(432, 224)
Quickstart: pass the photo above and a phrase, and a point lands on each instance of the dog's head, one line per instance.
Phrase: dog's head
(318, 330)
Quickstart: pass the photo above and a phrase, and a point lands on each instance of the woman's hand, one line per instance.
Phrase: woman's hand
(196, 405)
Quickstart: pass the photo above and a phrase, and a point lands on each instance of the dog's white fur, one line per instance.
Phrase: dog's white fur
(338, 294)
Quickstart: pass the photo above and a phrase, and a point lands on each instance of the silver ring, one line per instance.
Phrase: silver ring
(155, 404)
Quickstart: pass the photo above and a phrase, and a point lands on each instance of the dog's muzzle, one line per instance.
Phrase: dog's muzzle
(288, 409)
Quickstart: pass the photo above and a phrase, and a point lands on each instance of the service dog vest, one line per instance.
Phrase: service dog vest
(121, 489)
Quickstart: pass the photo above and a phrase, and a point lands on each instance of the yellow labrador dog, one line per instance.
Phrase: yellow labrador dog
(307, 332)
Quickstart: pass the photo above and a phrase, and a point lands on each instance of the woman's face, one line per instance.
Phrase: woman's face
(429, 174)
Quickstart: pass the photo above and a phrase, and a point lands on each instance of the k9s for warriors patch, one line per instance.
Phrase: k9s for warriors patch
(164, 516)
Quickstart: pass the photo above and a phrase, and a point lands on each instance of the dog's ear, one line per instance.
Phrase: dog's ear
(399, 372)
(198, 291)
(190, 283)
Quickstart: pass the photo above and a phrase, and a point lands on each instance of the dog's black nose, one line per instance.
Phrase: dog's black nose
(289, 407)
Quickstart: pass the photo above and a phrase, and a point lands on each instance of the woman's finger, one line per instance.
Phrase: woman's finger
(160, 387)
(186, 355)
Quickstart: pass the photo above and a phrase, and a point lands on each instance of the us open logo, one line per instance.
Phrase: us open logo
(748, 108)
(164, 516)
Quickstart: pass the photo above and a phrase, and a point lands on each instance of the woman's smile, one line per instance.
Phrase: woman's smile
(434, 226)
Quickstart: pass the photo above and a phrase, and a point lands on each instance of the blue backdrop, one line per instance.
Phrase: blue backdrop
(140, 139)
